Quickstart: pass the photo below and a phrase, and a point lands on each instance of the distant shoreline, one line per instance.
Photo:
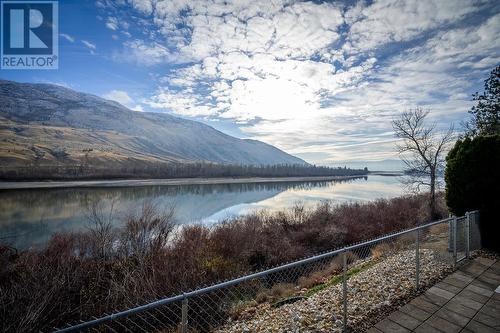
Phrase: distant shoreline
(387, 173)
(10, 185)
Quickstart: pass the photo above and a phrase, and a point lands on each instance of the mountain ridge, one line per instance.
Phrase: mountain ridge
(45, 124)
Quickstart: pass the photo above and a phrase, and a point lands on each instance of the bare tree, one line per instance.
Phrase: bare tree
(149, 231)
(100, 227)
(422, 150)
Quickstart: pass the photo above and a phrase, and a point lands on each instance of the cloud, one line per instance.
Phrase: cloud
(387, 21)
(112, 23)
(475, 47)
(315, 78)
(295, 30)
(68, 37)
(89, 45)
(123, 98)
(57, 83)
(119, 96)
(137, 108)
(246, 57)
(142, 53)
(182, 103)
(143, 6)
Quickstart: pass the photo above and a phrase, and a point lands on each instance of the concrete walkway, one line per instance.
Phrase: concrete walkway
(465, 301)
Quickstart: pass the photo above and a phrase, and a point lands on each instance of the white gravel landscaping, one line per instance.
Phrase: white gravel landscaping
(369, 291)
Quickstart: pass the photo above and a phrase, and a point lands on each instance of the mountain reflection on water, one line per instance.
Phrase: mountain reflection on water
(29, 217)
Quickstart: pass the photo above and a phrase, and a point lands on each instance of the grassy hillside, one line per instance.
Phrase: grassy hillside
(47, 126)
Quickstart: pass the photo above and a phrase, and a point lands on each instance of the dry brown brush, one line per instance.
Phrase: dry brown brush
(79, 276)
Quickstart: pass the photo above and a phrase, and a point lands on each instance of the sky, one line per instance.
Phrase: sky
(319, 79)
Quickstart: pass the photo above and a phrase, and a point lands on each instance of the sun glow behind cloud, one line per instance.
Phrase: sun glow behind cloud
(318, 79)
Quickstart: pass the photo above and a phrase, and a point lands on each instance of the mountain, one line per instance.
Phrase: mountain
(43, 124)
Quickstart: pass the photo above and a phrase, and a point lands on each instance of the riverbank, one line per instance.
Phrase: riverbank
(9, 185)
(81, 275)
(387, 173)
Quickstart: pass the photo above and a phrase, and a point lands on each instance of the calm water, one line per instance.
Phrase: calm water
(29, 217)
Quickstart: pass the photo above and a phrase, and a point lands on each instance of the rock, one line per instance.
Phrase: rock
(374, 289)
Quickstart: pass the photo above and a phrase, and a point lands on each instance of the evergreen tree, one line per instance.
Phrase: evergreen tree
(486, 114)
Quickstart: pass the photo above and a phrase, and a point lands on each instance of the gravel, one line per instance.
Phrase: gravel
(370, 292)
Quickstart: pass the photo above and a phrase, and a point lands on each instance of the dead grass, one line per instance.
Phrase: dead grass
(79, 276)
(380, 250)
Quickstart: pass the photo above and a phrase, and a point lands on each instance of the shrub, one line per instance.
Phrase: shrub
(473, 182)
(380, 250)
(84, 275)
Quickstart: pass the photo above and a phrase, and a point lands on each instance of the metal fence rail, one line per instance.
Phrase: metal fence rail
(409, 260)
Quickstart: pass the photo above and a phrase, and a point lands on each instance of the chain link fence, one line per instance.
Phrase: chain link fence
(333, 291)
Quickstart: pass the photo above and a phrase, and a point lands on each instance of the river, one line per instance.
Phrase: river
(28, 217)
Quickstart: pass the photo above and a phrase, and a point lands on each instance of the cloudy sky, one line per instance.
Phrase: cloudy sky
(321, 80)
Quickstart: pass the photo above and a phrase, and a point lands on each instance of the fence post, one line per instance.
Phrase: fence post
(344, 289)
(184, 324)
(454, 233)
(417, 258)
(467, 235)
(450, 234)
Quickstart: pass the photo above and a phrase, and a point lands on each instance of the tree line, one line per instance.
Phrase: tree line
(134, 169)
